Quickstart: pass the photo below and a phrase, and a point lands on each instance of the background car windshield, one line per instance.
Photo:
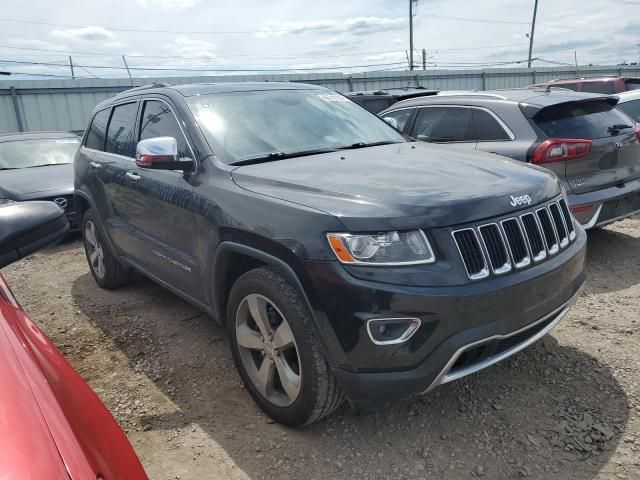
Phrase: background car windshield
(37, 152)
(253, 124)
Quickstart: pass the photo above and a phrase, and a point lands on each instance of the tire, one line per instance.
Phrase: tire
(310, 391)
(106, 270)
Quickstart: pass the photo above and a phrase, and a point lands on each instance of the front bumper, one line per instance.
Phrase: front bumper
(599, 208)
(464, 328)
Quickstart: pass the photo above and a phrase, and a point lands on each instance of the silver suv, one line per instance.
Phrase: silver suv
(591, 145)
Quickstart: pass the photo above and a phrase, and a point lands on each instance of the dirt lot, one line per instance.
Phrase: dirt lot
(566, 408)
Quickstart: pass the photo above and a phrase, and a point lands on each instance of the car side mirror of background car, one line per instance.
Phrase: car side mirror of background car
(391, 121)
(161, 153)
(28, 226)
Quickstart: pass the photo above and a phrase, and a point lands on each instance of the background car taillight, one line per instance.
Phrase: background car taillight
(560, 149)
(638, 130)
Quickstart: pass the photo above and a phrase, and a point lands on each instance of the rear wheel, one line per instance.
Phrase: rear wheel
(274, 349)
(106, 270)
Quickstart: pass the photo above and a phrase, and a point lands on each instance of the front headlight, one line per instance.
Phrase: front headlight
(388, 248)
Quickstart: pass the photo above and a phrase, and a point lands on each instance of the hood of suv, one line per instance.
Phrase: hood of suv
(401, 184)
(30, 183)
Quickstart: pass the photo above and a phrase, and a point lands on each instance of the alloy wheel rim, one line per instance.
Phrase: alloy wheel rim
(95, 251)
(268, 350)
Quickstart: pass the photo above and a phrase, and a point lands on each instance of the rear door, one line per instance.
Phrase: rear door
(492, 135)
(444, 124)
(615, 151)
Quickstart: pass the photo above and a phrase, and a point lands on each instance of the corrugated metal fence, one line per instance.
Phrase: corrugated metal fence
(35, 105)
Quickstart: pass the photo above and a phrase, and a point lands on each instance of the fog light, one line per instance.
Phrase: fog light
(392, 331)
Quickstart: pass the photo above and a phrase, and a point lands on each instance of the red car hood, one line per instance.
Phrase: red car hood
(53, 425)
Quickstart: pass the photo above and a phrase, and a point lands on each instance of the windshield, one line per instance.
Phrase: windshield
(249, 125)
(37, 152)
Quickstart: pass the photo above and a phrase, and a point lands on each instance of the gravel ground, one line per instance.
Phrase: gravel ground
(566, 408)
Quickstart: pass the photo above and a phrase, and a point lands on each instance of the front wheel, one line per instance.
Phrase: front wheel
(275, 351)
(106, 270)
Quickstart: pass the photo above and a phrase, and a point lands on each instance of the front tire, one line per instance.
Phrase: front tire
(275, 351)
(106, 270)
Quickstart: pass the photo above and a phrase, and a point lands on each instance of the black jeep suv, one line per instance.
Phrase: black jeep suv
(344, 260)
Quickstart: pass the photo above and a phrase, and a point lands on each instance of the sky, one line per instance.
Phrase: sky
(199, 37)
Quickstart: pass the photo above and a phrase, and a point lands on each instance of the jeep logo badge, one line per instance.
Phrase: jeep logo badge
(521, 200)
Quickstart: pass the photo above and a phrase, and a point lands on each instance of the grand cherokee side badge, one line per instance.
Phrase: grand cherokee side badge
(521, 200)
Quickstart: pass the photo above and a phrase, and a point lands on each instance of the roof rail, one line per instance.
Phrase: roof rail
(146, 87)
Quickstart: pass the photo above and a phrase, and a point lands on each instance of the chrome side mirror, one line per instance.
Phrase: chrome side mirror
(161, 153)
(391, 121)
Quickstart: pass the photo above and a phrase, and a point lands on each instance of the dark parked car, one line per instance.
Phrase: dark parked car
(54, 426)
(344, 260)
(607, 85)
(592, 146)
(39, 166)
(377, 100)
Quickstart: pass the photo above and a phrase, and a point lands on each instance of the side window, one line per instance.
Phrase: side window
(401, 117)
(631, 108)
(120, 137)
(158, 121)
(570, 86)
(599, 87)
(487, 127)
(376, 105)
(443, 124)
(98, 130)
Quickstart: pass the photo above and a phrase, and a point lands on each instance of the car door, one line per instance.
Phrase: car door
(492, 135)
(450, 124)
(400, 119)
(159, 206)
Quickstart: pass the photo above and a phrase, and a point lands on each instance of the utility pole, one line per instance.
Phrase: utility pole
(127, 67)
(424, 59)
(533, 27)
(575, 57)
(411, 33)
(73, 75)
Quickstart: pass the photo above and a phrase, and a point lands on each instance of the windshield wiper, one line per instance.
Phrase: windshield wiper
(613, 129)
(273, 156)
(48, 165)
(365, 145)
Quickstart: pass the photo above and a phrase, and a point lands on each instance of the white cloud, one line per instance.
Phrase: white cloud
(354, 25)
(189, 47)
(168, 4)
(89, 34)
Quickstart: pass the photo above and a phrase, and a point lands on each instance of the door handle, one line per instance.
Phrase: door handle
(95, 165)
(134, 177)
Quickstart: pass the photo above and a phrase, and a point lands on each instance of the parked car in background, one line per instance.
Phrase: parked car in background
(344, 260)
(39, 166)
(592, 146)
(629, 103)
(607, 85)
(54, 425)
(377, 100)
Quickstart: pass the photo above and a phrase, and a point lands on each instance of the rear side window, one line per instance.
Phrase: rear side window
(159, 121)
(400, 116)
(487, 128)
(120, 136)
(580, 120)
(443, 124)
(377, 105)
(631, 108)
(633, 84)
(98, 130)
(570, 86)
(599, 87)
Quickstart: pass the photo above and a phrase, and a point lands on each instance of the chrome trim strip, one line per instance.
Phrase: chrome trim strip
(445, 377)
(592, 223)
(408, 333)
(572, 233)
(564, 241)
(507, 130)
(611, 220)
(526, 261)
(507, 266)
(482, 273)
